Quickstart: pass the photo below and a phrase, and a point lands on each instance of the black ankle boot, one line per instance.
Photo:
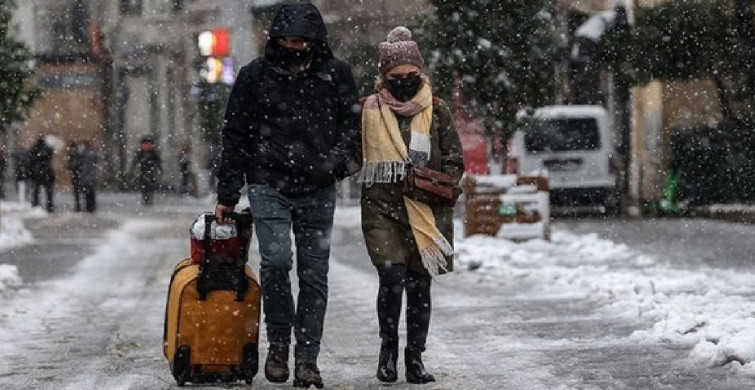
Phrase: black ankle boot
(415, 370)
(386, 371)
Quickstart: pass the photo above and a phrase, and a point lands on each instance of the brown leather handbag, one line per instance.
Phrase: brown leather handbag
(429, 186)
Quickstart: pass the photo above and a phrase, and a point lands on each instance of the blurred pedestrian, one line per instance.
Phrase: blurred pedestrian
(407, 240)
(184, 168)
(3, 164)
(41, 173)
(87, 166)
(21, 175)
(72, 163)
(149, 163)
(290, 133)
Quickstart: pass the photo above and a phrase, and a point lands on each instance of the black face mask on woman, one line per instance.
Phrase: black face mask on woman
(284, 56)
(404, 89)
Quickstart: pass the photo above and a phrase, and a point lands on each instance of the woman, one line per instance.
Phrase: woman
(408, 241)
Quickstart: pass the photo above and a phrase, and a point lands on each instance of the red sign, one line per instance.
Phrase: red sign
(215, 43)
(221, 45)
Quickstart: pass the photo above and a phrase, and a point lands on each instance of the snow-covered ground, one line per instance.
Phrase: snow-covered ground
(12, 231)
(710, 310)
(705, 311)
(13, 234)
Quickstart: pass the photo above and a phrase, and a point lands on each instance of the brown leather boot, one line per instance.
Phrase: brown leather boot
(307, 374)
(276, 365)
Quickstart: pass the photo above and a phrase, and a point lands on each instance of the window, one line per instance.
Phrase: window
(60, 37)
(131, 7)
(558, 135)
(80, 22)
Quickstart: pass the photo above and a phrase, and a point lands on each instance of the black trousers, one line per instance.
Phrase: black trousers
(76, 189)
(147, 197)
(35, 195)
(394, 280)
(90, 200)
(147, 187)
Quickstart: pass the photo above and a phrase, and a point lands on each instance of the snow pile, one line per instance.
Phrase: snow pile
(710, 310)
(8, 277)
(720, 325)
(22, 209)
(12, 232)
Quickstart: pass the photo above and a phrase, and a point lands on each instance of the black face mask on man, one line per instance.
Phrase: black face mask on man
(284, 56)
(404, 89)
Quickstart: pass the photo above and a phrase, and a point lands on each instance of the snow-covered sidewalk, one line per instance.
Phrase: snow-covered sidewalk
(578, 312)
(12, 235)
(709, 310)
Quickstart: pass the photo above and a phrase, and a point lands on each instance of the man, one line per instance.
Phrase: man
(150, 165)
(87, 166)
(72, 163)
(291, 128)
(2, 172)
(184, 168)
(41, 172)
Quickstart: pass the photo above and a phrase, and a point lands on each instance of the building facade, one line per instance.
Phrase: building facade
(143, 49)
(655, 110)
(114, 71)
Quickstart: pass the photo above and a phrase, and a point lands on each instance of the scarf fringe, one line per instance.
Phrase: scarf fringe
(434, 256)
(382, 172)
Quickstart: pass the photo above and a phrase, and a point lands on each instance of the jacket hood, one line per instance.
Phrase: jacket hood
(303, 20)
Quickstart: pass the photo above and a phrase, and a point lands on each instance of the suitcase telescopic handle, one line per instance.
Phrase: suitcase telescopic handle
(242, 220)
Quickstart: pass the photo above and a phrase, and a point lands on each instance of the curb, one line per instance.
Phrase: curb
(746, 215)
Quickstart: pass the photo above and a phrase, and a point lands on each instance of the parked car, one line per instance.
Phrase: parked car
(574, 145)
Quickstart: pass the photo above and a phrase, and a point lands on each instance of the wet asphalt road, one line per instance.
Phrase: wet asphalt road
(686, 243)
(482, 336)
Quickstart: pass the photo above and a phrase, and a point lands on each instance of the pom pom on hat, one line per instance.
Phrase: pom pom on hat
(399, 49)
(399, 34)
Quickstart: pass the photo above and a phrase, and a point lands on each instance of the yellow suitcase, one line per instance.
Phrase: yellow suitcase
(212, 321)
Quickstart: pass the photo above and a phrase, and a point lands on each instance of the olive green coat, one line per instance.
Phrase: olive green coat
(385, 223)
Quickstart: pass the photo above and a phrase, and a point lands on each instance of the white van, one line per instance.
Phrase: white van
(574, 145)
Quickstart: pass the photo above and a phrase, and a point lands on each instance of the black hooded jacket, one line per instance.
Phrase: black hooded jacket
(296, 132)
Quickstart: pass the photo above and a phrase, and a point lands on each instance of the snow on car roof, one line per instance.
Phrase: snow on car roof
(570, 111)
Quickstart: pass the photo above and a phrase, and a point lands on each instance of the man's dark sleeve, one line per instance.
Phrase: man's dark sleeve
(347, 152)
(236, 133)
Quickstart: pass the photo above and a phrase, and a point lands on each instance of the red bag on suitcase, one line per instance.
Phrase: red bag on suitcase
(227, 240)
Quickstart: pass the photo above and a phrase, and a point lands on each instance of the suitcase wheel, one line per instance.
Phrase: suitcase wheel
(182, 365)
(249, 362)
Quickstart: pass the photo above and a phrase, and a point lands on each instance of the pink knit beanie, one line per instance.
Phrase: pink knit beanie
(399, 49)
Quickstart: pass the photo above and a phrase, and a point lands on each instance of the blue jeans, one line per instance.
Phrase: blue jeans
(311, 217)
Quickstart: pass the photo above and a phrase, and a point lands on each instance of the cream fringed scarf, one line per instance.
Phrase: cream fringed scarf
(386, 155)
